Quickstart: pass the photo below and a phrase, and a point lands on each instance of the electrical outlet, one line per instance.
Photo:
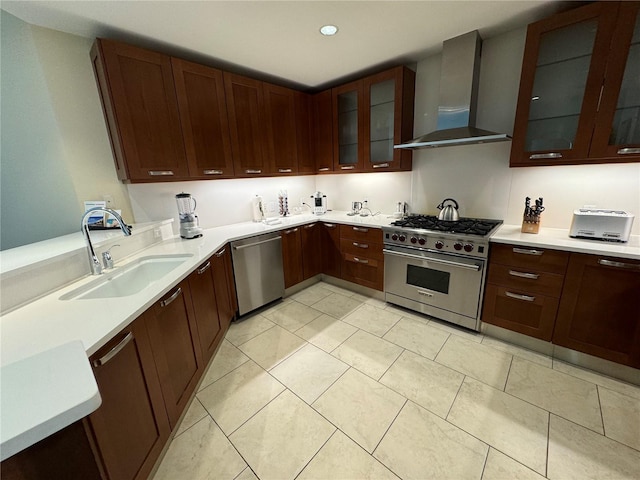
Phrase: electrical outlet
(108, 200)
(157, 233)
(272, 207)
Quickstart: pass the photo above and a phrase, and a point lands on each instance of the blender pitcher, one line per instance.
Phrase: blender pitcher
(189, 225)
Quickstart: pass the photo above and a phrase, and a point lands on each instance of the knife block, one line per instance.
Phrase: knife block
(530, 224)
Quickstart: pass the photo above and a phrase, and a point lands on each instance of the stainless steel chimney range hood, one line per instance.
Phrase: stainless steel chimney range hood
(458, 98)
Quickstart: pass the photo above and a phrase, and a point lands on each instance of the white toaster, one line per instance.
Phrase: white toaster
(609, 225)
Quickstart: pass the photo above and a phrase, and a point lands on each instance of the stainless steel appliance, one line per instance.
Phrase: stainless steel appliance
(319, 203)
(609, 225)
(438, 267)
(189, 225)
(448, 212)
(257, 266)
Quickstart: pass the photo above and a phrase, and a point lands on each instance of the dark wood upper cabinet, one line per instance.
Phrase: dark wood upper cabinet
(578, 101)
(280, 114)
(599, 312)
(306, 163)
(348, 127)
(203, 115)
(388, 117)
(322, 131)
(245, 108)
(141, 111)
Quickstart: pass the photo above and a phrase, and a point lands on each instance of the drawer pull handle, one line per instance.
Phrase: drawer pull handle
(517, 296)
(360, 245)
(114, 351)
(175, 295)
(330, 225)
(629, 151)
(347, 167)
(204, 269)
(359, 229)
(220, 253)
(324, 169)
(526, 251)
(358, 260)
(542, 156)
(532, 276)
(426, 294)
(284, 170)
(212, 172)
(253, 172)
(156, 173)
(611, 263)
(381, 165)
(309, 226)
(293, 230)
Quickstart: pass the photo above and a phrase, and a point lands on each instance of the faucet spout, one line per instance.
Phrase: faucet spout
(96, 267)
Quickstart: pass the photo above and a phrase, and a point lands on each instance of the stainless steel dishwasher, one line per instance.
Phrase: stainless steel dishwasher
(257, 265)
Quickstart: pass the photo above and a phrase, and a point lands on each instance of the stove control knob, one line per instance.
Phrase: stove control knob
(402, 238)
(457, 246)
(439, 244)
(414, 240)
(468, 247)
(422, 241)
(394, 237)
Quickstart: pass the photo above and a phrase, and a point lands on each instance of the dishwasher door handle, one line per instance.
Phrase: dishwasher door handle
(242, 247)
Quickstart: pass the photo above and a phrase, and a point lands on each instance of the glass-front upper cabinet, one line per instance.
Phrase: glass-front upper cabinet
(348, 120)
(617, 132)
(579, 99)
(389, 119)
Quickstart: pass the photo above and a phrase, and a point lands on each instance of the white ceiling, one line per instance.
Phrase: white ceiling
(280, 40)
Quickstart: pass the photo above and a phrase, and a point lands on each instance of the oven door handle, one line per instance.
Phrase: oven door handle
(434, 260)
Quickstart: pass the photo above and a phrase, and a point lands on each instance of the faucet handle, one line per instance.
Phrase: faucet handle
(107, 259)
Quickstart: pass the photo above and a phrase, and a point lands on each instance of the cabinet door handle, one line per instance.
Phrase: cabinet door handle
(330, 225)
(380, 165)
(358, 260)
(542, 156)
(284, 170)
(532, 276)
(114, 351)
(517, 296)
(426, 294)
(611, 263)
(204, 269)
(175, 295)
(309, 226)
(212, 172)
(156, 173)
(253, 171)
(629, 151)
(526, 251)
(360, 245)
(359, 229)
(347, 167)
(324, 169)
(220, 253)
(293, 230)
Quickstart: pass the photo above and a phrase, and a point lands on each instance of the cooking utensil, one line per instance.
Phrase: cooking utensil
(448, 212)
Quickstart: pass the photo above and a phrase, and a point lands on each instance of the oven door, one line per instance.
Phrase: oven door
(447, 282)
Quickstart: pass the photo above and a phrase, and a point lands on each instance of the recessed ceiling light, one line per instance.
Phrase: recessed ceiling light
(328, 30)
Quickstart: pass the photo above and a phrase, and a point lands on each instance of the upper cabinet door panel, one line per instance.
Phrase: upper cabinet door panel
(562, 73)
(142, 93)
(280, 112)
(245, 106)
(617, 133)
(349, 126)
(322, 131)
(203, 113)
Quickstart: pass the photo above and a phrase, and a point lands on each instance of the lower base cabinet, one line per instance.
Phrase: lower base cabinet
(362, 257)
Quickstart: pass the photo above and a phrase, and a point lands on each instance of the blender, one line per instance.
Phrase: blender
(189, 225)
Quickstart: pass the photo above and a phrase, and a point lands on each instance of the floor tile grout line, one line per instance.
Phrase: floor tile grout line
(604, 429)
(486, 459)
(390, 425)
(546, 464)
(391, 365)
(233, 446)
(594, 372)
(316, 454)
(230, 371)
(258, 411)
(506, 379)
(454, 400)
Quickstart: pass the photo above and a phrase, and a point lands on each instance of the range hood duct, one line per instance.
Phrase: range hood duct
(458, 98)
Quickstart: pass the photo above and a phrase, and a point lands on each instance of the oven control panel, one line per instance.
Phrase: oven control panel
(452, 244)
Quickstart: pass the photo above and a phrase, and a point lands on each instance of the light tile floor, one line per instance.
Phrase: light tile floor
(330, 384)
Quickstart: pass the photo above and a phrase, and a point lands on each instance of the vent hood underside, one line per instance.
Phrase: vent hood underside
(458, 98)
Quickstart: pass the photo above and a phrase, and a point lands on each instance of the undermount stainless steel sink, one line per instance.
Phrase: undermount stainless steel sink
(128, 280)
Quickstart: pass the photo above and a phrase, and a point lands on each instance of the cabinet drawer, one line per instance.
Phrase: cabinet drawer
(361, 249)
(363, 271)
(543, 283)
(532, 315)
(361, 234)
(552, 261)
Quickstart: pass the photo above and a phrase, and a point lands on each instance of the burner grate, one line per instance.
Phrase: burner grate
(469, 226)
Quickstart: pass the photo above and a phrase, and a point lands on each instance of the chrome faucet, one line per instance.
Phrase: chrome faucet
(96, 267)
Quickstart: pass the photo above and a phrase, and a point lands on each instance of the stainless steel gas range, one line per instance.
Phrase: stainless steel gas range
(438, 267)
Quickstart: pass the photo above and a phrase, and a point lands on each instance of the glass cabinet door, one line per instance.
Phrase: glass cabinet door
(617, 132)
(381, 122)
(348, 121)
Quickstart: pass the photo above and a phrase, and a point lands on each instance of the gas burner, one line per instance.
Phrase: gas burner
(467, 226)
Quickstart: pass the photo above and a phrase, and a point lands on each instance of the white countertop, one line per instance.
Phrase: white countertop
(41, 329)
(559, 239)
